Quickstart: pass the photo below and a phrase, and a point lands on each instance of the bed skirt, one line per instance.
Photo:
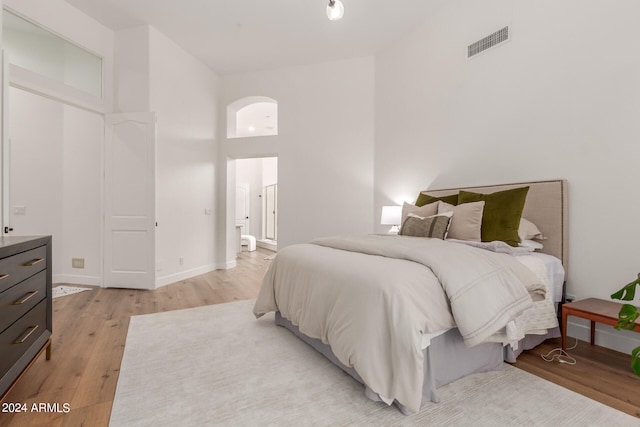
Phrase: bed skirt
(445, 360)
(527, 343)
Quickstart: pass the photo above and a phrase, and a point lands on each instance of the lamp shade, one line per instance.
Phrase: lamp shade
(391, 215)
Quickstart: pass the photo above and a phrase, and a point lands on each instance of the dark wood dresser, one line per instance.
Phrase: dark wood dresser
(25, 305)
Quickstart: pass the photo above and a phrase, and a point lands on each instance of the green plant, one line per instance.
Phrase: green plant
(627, 317)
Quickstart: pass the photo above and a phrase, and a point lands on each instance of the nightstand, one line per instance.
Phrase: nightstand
(595, 310)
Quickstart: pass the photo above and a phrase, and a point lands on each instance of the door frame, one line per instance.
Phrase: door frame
(6, 146)
(275, 212)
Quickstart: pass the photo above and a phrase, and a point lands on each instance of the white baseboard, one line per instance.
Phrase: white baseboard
(183, 275)
(606, 336)
(227, 265)
(74, 279)
(267, 244)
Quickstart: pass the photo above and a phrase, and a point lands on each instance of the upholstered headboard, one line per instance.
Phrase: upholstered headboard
(546, 207)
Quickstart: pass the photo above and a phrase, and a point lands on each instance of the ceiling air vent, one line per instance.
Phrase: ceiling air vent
(487, 42)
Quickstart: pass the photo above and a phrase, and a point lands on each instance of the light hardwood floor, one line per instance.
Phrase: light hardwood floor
(89, 334)
(601, 374)
(90, 329)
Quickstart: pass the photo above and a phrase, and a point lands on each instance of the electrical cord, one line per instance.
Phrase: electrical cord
(558, 354)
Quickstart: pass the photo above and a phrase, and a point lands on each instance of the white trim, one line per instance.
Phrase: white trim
(6, 153)
(606, 336)
(226, 265)
(271, 245)
(33, 82)
(183, 275)
(74, 279)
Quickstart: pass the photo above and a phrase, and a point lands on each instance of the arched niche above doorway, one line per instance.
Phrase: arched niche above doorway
(252, 116)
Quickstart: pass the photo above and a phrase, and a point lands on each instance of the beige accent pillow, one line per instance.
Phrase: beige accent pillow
(466, 223)
(423, 211)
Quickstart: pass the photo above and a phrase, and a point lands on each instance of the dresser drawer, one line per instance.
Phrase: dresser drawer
(16, 301)
(16, 268)
(17, 338)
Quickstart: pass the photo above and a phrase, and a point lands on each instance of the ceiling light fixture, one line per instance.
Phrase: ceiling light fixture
(335, 10)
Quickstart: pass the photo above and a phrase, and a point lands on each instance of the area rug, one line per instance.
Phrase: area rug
(62, 290)
(218, 365)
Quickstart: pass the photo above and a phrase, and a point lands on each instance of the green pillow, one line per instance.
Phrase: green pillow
(501, 215)
(425, 199)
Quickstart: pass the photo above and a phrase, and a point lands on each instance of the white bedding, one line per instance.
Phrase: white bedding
(553, 270)
(320, 290)
(555, 273)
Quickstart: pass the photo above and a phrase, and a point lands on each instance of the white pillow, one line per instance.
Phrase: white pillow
(531, 244)
(528, 230)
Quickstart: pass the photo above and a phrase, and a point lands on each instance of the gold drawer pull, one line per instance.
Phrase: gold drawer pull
(34, 262)
(26, 335)
(4, 276)
(26, 298)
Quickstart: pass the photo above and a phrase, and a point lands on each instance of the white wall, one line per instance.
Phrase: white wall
(324, 148)
(559, 100)
(131, 71)
(183, 94)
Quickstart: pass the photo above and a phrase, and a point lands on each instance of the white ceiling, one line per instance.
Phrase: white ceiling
(234, 36)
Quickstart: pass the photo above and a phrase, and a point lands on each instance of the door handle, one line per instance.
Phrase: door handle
(7, 230)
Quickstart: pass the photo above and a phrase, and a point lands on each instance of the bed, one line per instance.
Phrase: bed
(400, 315)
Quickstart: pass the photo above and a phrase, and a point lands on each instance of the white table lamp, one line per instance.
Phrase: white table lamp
(391, 215)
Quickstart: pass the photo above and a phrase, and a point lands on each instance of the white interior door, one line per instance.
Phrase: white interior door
(130, 203)
(35, 201)
(243, 208)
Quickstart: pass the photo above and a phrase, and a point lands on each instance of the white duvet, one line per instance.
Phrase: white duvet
(371, 298)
